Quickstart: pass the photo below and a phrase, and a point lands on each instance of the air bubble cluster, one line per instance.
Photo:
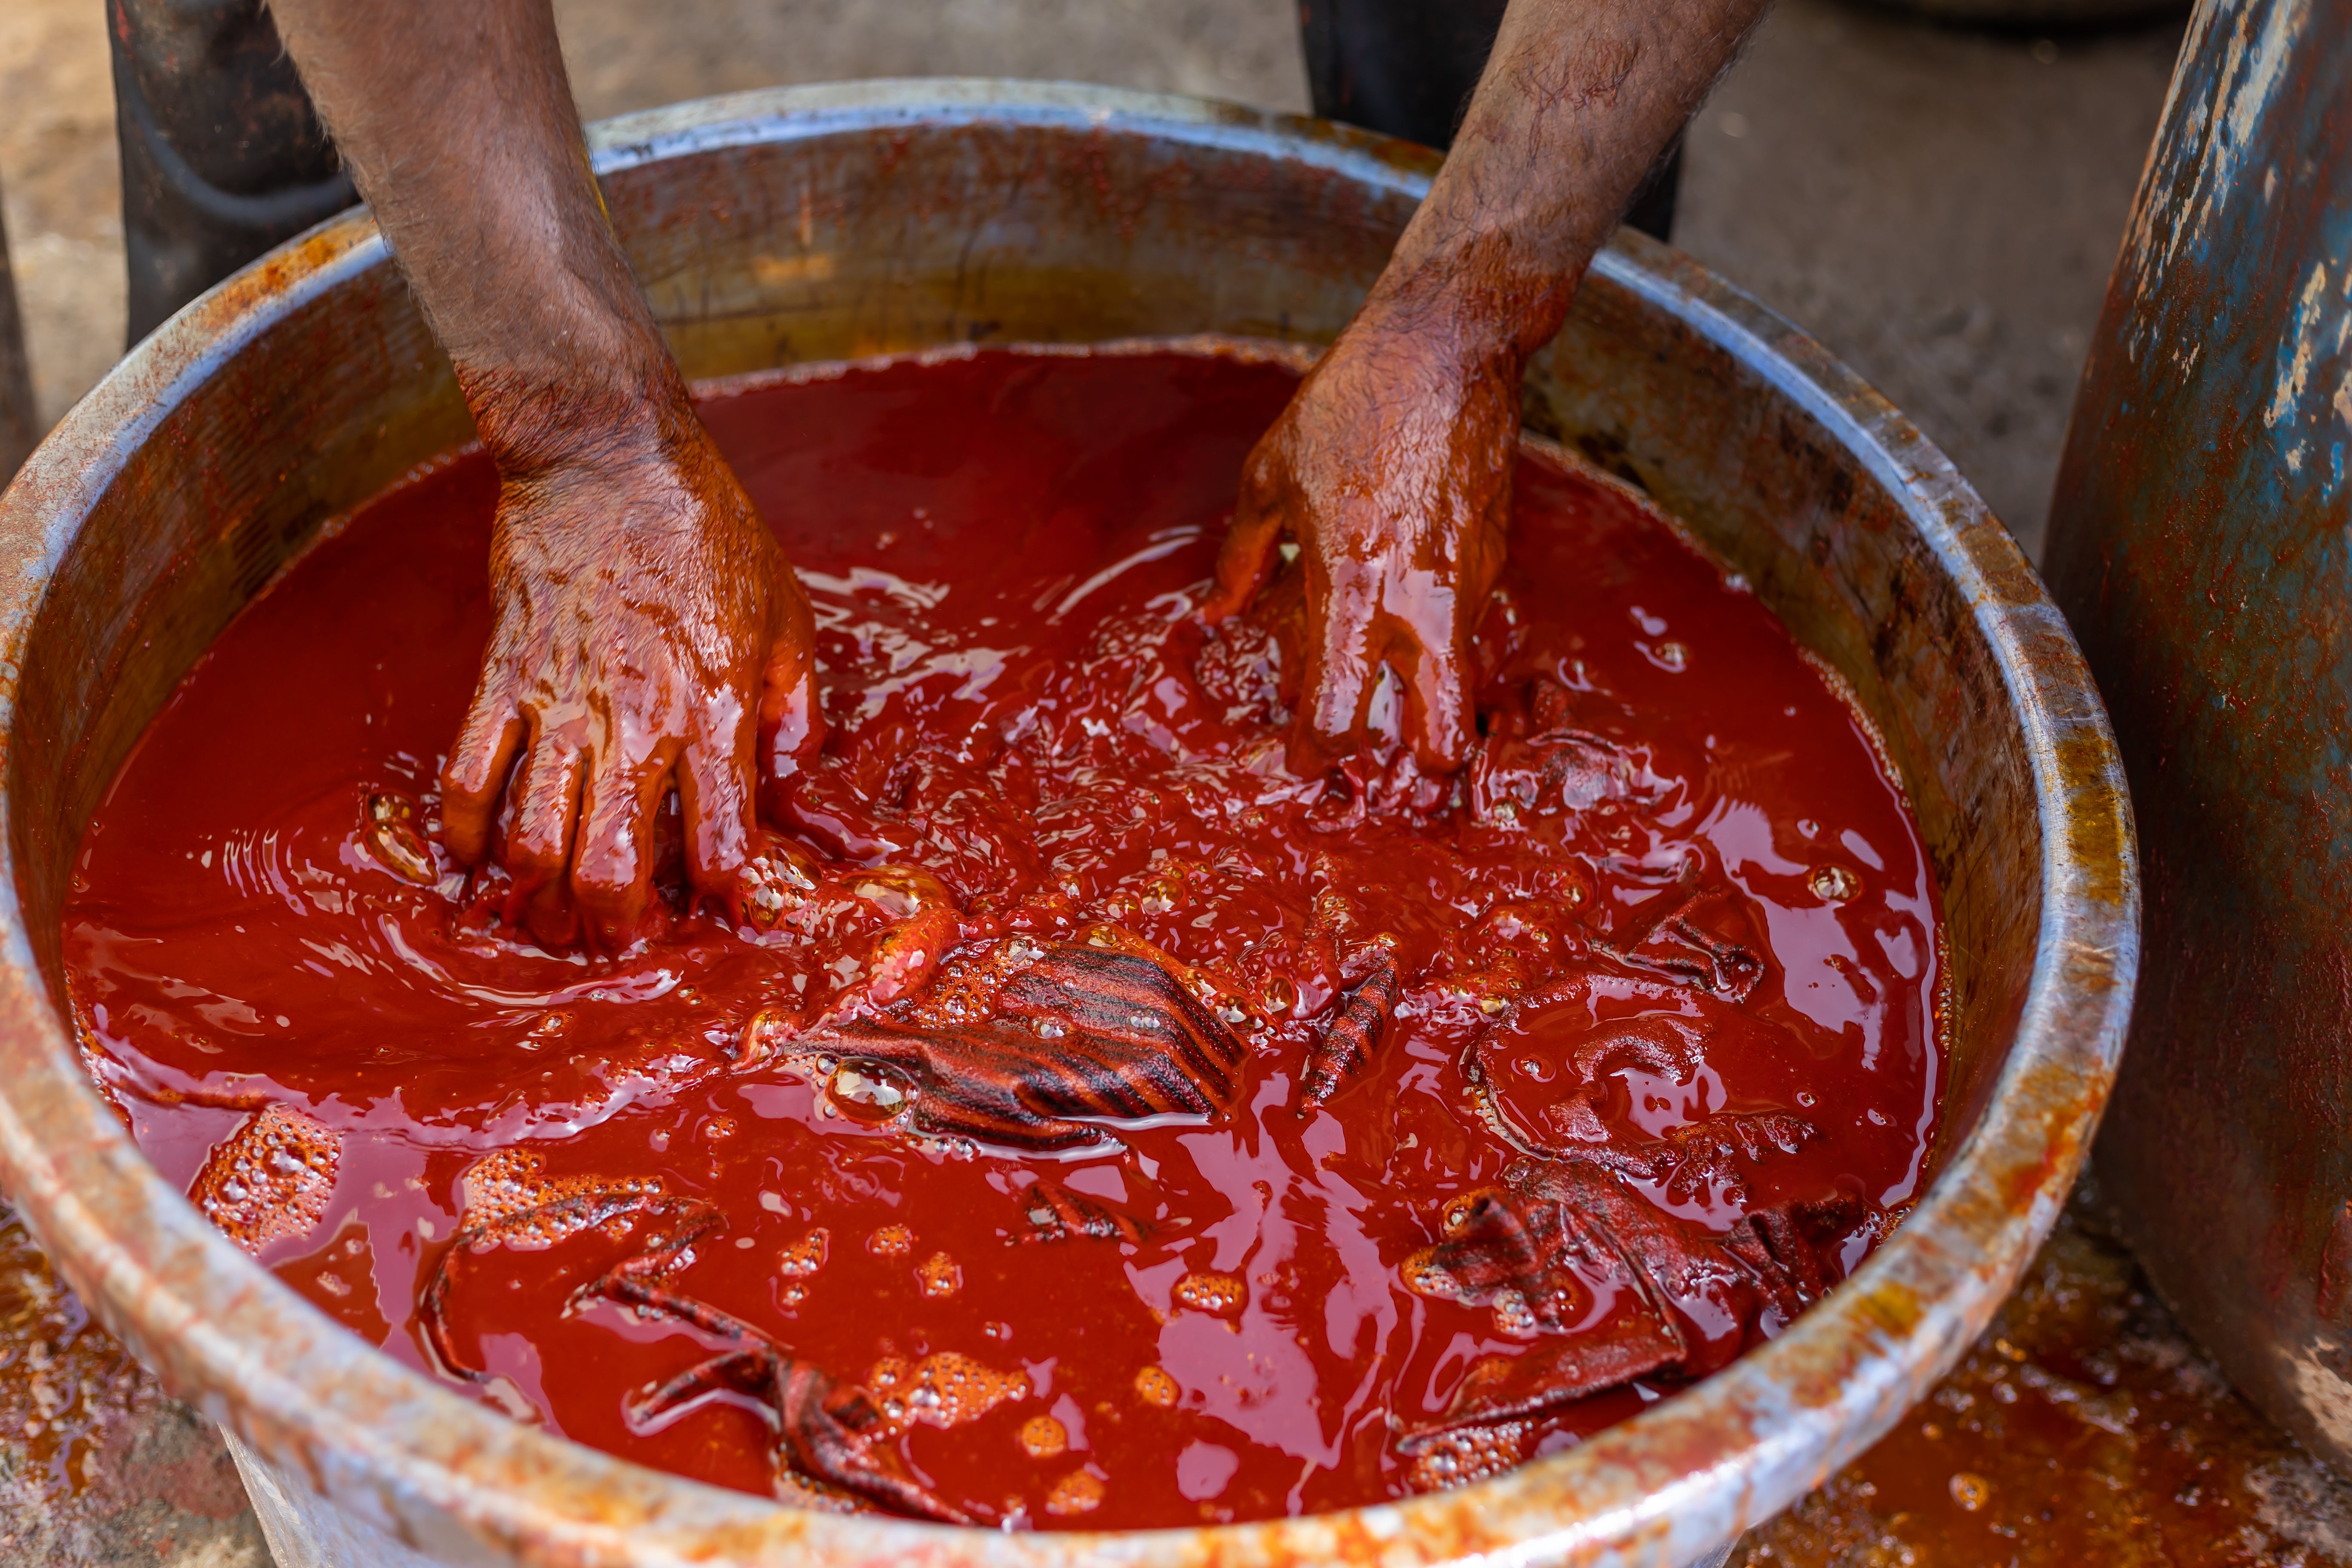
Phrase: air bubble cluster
(1834, 884)
(1042, 1437)
(1468, 1454)
(271, 1178)
(1154, 1387)
(1080, 1491)
(942, 1390)
(807, 1256)
(1219, 1295)
(500, 1187)
(940, 1275)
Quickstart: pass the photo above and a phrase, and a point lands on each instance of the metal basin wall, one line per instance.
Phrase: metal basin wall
(831, 222)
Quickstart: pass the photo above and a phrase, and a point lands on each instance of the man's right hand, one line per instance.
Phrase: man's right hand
(648, 633)
(1391, 469)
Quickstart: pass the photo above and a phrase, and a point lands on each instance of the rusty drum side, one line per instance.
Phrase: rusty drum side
(2201, 539)
(829, 222)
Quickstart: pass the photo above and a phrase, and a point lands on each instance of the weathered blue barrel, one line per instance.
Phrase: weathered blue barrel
(2201, 543)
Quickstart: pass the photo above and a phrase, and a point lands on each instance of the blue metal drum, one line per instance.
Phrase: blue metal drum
(2201, 543)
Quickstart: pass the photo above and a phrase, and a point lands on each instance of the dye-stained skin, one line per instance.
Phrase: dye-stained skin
(1391, 471)
(1078, 1117)
(642, 619)
(648, 634)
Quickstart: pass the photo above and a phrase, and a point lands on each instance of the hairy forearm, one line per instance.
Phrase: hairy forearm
(459, 127)
(1578, 100)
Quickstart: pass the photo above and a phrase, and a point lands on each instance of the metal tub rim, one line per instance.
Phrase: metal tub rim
(442, 1472)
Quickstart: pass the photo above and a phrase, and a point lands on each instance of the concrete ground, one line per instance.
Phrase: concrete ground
(1940, 207)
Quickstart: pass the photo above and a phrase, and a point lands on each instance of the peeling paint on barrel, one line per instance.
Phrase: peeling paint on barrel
(2201, 543)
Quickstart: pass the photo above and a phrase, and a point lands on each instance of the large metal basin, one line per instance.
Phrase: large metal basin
(840, 221)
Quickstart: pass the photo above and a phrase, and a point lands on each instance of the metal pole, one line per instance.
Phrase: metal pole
(223, 156)
(17, 430)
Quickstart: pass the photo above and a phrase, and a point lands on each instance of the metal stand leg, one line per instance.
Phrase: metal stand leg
(17, 431)
(222, 154)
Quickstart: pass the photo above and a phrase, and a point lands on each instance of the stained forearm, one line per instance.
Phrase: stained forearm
(648, 637)
(459, 127)
(1578, 100)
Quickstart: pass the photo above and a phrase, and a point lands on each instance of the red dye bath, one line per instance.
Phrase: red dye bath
(1094, 1124)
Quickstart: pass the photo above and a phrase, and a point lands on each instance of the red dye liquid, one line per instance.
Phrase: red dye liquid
(1675, 921)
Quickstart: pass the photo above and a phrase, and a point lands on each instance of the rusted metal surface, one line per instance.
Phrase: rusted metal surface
(2199, 543)
(17, 430)
(828, 222)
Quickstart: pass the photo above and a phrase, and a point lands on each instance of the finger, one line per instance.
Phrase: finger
(612, 855)
(1434, 675)
(1248, 556)
(1434, 643)
(792, 723)
(475, 776)
(540, 834)
(792, 719)
(714, 798)
(1335, 687)
(1281, 610)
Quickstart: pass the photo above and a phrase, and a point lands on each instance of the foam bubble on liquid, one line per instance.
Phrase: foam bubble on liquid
(271, 1178)
(943, 1390)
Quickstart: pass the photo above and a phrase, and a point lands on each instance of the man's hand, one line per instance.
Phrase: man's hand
(649, 632)
(1390, 470)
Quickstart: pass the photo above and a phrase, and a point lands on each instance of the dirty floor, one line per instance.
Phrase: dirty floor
(1940, 207)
